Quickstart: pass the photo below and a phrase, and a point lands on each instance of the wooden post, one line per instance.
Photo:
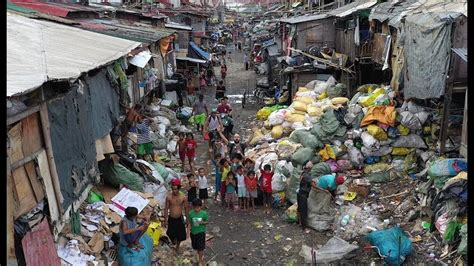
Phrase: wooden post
(11, 257)
(49, 152)
(446, 106)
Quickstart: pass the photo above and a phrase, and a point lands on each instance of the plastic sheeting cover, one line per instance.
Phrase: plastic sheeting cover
(39, 51)
(427, 50)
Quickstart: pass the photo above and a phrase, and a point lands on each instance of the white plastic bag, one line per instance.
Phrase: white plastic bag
(369, 141)
(277, 117)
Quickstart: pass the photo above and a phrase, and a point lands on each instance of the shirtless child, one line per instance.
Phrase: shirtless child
(176, 204)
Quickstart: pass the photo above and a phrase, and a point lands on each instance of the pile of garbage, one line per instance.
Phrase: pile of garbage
(128, 182)
(372, 140)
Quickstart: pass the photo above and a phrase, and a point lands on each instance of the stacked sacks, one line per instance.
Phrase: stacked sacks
(308, 106)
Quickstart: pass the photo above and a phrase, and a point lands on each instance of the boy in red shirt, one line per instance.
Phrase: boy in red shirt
(181, 148)
(251, 185)
(266, 178)
(191, 146)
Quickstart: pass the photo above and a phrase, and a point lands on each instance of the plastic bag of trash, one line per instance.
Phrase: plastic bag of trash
(462, 248)
(277, 132)
(267, 158)
(377, 132)
(284, 168)
(171, 147)
(292, 213)
(377, 167)
(278, 182)
(410, 141)
(263, 113)
(161, 169)
(335, 249)
(116, 174)
(132, 257)
(305, 138)
(303, 155)
(336, 90)
(286, 148)
(447, 167)
(162, 120)
(320, 210)
(293, 185)
(320, 169)
(354, 115)
(159, 142)
(369, 141)
(382, 151)
(410, 120)
(277, 117)
(159, 192)
(393, 243)
(355, 156)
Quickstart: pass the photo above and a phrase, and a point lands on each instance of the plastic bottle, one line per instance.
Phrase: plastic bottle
(345, 219)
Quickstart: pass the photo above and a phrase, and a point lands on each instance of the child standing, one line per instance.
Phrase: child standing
(202, 181)
(251, 185)
(191, 188)
(197, 221)
(266, 177)
(191, 146)
(225, 170)
(230, 194)
(241, 191)
(217, 174)
(181, 148)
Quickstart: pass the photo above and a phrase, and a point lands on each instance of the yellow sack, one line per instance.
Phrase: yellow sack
(267, 125)
(376, 167)
(327, 153)
(306, 100)
(322, 96)
(292, 213)
(303, 89)
(314, 111)
(263, 113)
(294, 118)
(277, 132)
(300, 106)
(401, 151)
(404, 131)
(154, 231)
(257, 135)
(339, 100)
(377, 132)
(298, 112)
(368, 101)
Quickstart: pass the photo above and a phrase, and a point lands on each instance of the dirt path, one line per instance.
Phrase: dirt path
(242, 237)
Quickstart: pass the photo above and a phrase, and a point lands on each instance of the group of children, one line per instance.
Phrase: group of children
(238, 184)
(186, 147)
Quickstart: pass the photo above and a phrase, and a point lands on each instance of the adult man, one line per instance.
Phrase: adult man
(176, 203)
(213, 126)
(224, 107)
(200, 113)
(236, 147)
(303, 193)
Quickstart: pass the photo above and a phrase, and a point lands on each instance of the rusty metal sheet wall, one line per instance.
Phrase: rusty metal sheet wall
(38, 246)
(319, 32)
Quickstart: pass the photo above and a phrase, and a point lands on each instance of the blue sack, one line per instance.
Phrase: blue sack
(131, 257)
(392, 243)
(372, 159)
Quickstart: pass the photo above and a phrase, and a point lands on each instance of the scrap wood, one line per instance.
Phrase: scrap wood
(324, 61)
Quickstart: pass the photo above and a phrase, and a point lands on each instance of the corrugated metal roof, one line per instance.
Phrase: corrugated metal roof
(39, 51)
(130, 32)
(12, 6)
(45, 8)
(305, 18)
(394, 11)
(462, 52)
(178, 26)
(351, 8)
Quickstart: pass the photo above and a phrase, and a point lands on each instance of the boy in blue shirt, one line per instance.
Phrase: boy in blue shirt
(329, 183)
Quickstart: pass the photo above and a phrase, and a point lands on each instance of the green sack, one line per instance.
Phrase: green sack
(161, 170)
(94, 197)
(320, 169)
(117, 174)
(462, 248)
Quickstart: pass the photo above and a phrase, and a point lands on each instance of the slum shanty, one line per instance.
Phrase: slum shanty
(238, 132)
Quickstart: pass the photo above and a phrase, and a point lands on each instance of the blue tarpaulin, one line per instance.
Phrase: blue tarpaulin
(196, 52)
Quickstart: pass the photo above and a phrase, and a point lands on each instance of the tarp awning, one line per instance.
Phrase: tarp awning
(141, 59)
(196, 52)
(352, 8)
(304, 18)
(39, 51)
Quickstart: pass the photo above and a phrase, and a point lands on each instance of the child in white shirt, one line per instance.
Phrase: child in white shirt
(202, 184)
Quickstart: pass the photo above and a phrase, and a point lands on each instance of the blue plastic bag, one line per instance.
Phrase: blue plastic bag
(447, 167)
(372, 159)
(393, 133)
(131, 257)
(392, 243)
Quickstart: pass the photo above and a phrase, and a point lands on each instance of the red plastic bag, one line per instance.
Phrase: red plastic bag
(206, 136)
